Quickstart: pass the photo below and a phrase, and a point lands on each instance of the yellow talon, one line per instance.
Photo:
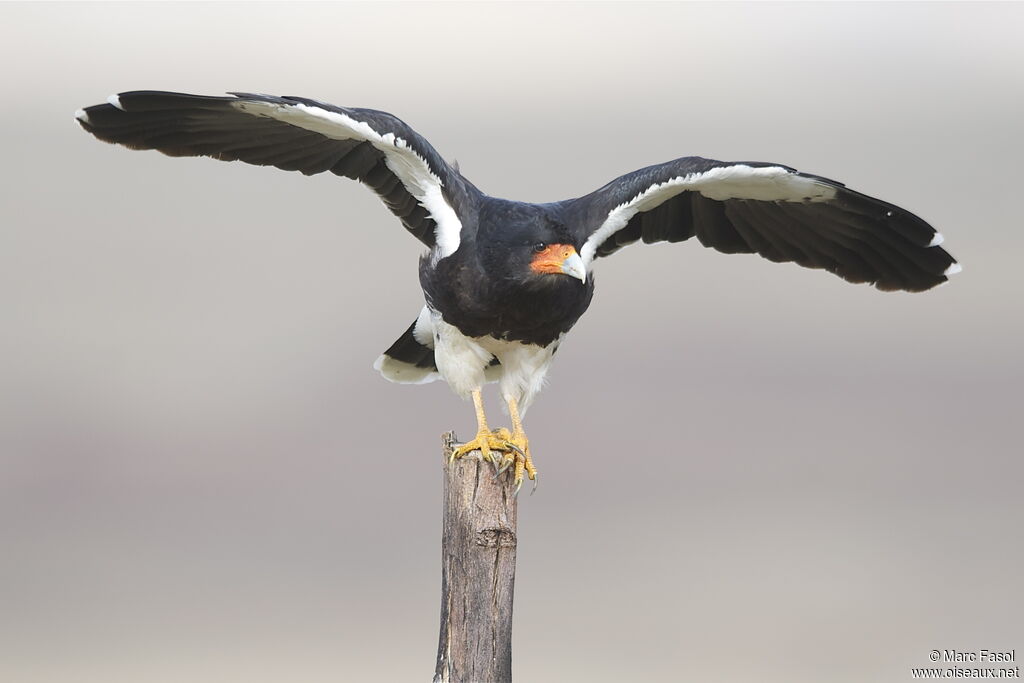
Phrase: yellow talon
(485, 442)
(514, 445)
(523, 461)
(518, 437)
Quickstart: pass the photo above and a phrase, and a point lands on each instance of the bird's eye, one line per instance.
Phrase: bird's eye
(539, 247)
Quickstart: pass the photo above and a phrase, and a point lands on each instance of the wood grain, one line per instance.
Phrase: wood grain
(478, 568)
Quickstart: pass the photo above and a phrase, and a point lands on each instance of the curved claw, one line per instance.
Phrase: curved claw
(508, 462)
(491, 443)
(536, 479)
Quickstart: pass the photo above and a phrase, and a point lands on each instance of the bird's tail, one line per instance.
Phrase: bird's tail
(408, 361)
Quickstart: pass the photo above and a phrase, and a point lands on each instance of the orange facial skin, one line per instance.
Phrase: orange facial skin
(552, 258)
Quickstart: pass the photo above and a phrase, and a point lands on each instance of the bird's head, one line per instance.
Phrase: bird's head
(557, 259)
(529, 243)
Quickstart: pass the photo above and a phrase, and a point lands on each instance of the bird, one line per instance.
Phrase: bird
(504, 281)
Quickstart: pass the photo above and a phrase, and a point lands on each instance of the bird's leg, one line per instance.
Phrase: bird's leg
(518, 437)
(486, 440)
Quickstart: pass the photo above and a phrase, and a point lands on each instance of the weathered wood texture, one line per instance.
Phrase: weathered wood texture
(478, 568)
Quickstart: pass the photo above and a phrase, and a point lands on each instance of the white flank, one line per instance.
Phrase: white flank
(953, 269)
(412, 169)
(461, 360)
(423, 330)
(937, 239)
(770, 183)
(82, 116)
(115, 101)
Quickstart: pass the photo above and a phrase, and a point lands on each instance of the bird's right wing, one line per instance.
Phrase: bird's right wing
(298, 134)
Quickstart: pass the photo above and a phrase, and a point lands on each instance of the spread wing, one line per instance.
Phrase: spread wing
(298, 134)
(768, 209)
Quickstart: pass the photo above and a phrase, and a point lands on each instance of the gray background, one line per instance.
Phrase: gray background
(751, 471)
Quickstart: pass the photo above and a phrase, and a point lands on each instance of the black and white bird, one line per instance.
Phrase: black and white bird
(504, 281)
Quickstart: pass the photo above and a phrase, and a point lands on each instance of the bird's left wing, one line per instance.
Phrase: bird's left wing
(297, 134)
(768, 209)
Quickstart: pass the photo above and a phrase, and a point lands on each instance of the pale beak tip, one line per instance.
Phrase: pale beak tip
(575, 267)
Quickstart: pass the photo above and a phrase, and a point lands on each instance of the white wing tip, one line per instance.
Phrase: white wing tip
(937, 239)
(114, 100)
(82, 116)
(953, 269)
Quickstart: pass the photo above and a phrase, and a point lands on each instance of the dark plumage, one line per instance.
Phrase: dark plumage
(487, 288)
(503, 280)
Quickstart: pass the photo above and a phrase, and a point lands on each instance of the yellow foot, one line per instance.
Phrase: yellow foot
(503, 449)
(485, 442)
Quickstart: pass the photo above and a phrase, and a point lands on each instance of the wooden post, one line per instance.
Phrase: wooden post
(478, 569)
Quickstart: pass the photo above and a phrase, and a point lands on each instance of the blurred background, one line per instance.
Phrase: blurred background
(750, 471)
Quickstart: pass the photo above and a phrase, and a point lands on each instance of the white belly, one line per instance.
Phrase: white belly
(462, 362)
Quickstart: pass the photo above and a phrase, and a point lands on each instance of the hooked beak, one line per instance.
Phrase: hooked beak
(560, 258)
(574, 266)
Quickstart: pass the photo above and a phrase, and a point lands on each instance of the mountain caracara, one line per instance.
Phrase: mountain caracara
(504, 281)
